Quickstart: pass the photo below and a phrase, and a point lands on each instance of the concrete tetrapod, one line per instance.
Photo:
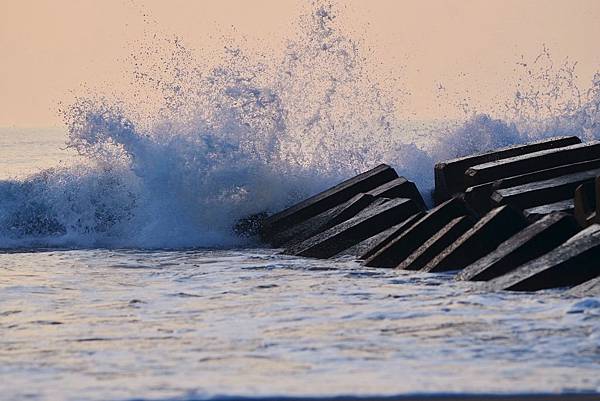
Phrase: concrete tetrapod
(570, 264)
(436, 244)
(527, 163)
(485, 236)
(321, 222)
(399, 188)
(449, 174)
(369, 246)
(332, 197)
(538, 212)
(543, 192)
(479, 196)
(393, 253)
(374, 219)
(533, 241)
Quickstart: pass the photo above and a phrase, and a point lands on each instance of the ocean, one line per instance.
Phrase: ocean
(82, 322)
(121, 277)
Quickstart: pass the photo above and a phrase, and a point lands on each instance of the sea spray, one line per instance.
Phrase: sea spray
(190, 148)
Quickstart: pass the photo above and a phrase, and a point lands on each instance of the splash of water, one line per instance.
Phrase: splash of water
(196, 147)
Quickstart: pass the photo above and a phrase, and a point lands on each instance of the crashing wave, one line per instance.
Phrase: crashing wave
(196, 147)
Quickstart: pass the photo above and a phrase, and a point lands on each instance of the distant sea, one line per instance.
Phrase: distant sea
(25, 151)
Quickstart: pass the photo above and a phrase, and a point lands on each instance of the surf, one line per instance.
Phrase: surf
(195, 147)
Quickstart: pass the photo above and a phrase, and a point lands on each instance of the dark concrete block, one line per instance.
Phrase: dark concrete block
(449, 175)
(392, 254)
(479, 197)
(542, 192)
(374, 219)
(332, 197)
(538, 212)
(295, 248)
(542, 175)
(585, 204)
(533, 241)
(485, 236)
(527, 163)
(378, 241)
(570, 264)
(590, 288)
(436, 244)
(596, 217)
(322, 221)
(399, 188)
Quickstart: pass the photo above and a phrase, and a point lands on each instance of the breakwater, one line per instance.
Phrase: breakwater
(520, 218)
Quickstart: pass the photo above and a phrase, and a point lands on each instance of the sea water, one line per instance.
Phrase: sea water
(140, 324)
(88, 323)
(121, 276)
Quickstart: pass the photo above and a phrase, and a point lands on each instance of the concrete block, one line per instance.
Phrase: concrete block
(374, 219)
(542, 192)
(485, 236)
(570, 264)
(449, 175)
(325, 200)
(538, 212)
(322, 221)
(542, 175)
(399, 188)
(590, 288)
(479, 197)
(376, 242)
(527, 163)
(393, 253)
(533, 241)
(436, 244)
(585, 204)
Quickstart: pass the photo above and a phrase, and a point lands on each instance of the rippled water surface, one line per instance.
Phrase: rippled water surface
(100, 324)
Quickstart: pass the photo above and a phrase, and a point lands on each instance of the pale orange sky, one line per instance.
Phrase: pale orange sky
(48, 48)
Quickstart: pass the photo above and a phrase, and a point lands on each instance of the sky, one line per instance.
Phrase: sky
(50, 49)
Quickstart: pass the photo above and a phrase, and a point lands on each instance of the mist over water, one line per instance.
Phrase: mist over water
(194, 146)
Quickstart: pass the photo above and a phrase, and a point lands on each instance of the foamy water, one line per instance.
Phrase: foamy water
(144, 291)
